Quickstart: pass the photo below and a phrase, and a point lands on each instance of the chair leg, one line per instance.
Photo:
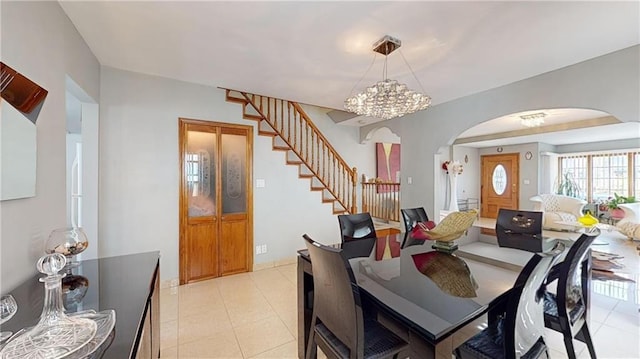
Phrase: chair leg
(312, 347)
(587, 339)
(568, 344)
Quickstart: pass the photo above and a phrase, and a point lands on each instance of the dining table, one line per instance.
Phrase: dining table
(434, 300)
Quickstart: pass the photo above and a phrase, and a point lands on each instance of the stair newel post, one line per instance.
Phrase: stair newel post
(354, 182)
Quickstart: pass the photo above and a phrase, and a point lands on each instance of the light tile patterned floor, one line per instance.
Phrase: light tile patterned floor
(254, 315)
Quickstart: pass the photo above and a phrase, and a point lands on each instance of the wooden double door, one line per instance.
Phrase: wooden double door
(216, 221)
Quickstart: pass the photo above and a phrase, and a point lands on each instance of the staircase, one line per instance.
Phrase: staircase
(305, 146)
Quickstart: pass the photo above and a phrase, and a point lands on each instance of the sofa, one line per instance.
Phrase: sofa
(558, 208)
(629, 225)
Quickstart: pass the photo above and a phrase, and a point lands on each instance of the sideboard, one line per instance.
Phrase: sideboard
(129, 284)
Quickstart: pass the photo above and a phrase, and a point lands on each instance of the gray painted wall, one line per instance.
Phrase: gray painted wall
(608, 83)
(139, 170)
(39, 41)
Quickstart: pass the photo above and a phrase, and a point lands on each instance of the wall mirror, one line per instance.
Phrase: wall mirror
(22, 100)
(17, 154)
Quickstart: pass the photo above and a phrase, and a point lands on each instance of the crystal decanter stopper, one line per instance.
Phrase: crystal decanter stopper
(56, 335)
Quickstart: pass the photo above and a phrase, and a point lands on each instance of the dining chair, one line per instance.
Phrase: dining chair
(356, 226)
(516, 318)
(411, 217)
(338, 325)
(521, 230)
(567, 310)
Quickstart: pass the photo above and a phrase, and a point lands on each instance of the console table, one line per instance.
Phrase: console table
(129, 284)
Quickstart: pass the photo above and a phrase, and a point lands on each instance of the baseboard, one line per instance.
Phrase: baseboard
(168, 283)
(273, 264)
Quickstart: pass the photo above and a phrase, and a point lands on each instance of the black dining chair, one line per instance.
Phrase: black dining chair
(521, 230)
(338, 325)
(356, 226)
(516, 318)
(567, 310)
(411, 217)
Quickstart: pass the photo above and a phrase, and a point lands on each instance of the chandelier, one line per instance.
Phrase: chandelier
(533, 120)
(388, 98)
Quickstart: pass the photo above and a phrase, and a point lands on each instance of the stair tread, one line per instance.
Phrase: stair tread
(265, 133)
(251, 117)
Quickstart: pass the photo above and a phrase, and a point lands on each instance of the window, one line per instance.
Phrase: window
(576, 169)
(600, 175)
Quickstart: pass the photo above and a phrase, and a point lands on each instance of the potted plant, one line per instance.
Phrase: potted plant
(568, 186)
(614, 210)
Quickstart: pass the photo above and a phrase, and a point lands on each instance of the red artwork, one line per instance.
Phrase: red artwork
(388, 163)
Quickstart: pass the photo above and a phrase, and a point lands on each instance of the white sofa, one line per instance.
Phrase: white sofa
(557, 208)
(629, 225)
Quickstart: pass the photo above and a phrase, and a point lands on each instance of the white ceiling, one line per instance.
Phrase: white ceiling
(565, 126)
(316, 52)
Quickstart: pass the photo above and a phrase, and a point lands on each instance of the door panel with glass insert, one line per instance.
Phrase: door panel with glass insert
(234, 190)
(215, 196)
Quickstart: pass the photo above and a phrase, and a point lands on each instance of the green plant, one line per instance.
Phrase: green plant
(568, 186)
(613, 203)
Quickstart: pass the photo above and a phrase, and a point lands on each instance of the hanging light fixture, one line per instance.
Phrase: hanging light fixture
(387, 99)
(533, 119)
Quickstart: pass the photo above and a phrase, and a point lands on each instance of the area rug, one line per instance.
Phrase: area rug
(603, 266)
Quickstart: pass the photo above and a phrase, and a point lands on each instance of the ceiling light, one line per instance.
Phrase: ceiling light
(533, 119)
(388, 98)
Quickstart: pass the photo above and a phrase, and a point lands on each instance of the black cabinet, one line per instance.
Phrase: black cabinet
(128, 284)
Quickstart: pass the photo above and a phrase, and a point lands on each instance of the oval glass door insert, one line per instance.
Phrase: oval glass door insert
(499, 179)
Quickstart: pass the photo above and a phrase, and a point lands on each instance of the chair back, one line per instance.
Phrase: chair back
(524, 316)
(336, 296)
(519, 229)
(412, 216)
(356, 226)
(573, 281)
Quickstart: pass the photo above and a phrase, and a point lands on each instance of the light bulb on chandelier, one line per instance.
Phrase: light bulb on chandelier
(388, 98)
(533, 119)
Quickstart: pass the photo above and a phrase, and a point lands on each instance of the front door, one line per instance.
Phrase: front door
(499, 187)
(215, 199)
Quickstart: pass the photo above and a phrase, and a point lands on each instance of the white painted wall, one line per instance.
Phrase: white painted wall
(139, 170)
(39, 41)
(72, 140)
(608, 83)
(468, 182)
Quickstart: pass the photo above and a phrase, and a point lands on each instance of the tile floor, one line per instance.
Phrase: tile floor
(254, 315)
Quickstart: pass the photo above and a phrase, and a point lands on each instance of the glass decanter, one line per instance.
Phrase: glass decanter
(8, 307)
(56, 335)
